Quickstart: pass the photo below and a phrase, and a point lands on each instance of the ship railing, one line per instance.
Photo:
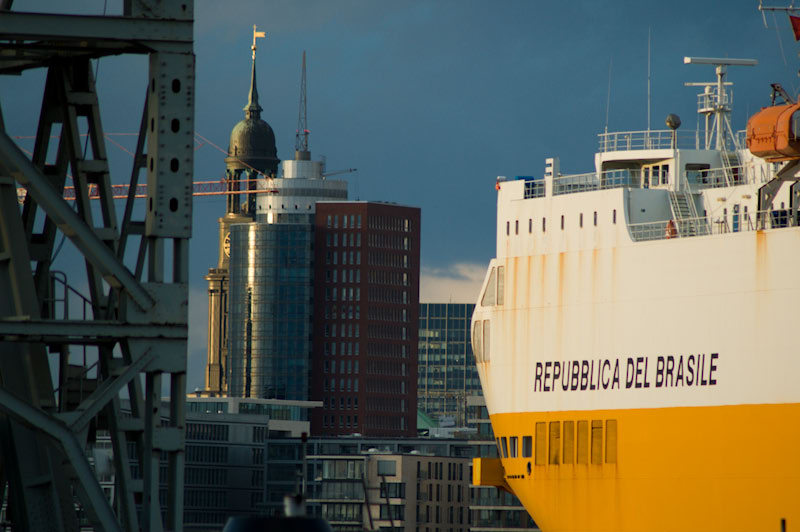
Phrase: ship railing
(713, 225)
(660, 139)
(746, 174)
(570, 184)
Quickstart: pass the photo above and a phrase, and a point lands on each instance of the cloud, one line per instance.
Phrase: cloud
(458, 283)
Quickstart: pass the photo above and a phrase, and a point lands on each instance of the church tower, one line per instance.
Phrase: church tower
(252, 157)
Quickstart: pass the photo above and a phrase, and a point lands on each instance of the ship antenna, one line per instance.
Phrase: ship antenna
(715, 102)
(301, 152)
(608, 96)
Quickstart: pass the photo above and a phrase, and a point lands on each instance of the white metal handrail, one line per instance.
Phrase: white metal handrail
(708, 225)
(568, 184)
(660, 139)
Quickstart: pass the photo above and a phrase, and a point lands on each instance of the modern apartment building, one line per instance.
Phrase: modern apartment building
(394, 492)
(366, 295)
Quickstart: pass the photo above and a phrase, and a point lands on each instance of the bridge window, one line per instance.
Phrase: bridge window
(489, 296)
(486, 340)
(527, 446)
(477, 341)
(512, 446)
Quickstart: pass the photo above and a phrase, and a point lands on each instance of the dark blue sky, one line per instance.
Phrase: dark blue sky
(432, 100)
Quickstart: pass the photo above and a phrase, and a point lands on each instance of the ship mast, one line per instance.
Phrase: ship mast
(715, 102)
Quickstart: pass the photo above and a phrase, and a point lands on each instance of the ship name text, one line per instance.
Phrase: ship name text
(672, 371)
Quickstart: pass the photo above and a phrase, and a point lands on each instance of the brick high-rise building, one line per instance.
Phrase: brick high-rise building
(366, 305)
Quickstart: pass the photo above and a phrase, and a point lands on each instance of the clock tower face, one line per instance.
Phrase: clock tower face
(226, 244)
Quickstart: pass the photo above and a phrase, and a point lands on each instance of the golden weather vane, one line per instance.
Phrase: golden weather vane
(257, 35)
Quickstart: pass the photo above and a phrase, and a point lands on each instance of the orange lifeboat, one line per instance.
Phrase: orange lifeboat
(774, 132)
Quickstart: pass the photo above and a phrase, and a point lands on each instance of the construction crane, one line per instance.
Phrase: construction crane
(339, 172)
(216, 187)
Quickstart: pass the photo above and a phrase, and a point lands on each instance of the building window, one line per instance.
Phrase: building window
(544, 225)
(580, 220)
(595, 218)
(329, 220)
(562, 222)
(614, 216)
(516, 227)
(530, 225)
(387, 467)
(508, 228)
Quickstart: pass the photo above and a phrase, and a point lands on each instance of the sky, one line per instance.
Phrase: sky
(430, 101)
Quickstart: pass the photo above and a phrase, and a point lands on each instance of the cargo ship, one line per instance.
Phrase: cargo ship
(634, 334)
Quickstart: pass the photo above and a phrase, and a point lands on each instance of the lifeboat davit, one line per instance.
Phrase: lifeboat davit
(774, 132)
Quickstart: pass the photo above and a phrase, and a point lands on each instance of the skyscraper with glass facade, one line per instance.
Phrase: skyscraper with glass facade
(446, 373)
(260, 294)
(270, 310)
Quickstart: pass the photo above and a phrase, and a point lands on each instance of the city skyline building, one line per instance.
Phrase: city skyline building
(447, 374)
(252, 153)
(366, 294)
(260, 294)
(390, 491)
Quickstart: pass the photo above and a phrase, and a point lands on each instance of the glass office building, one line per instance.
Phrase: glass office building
(447, 374)
(270, 309)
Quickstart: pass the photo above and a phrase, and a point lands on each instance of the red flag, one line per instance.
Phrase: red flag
(795, 26)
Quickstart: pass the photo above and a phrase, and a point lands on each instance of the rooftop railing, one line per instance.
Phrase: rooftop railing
(707, 225)
(647, 140)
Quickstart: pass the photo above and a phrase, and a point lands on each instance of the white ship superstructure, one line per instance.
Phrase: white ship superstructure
(634, 334)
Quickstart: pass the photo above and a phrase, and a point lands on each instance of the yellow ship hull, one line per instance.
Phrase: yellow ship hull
(686, 468)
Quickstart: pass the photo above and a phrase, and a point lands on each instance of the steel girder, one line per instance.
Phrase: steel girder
(138, 321)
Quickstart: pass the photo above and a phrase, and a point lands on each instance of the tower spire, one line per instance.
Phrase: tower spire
(252, 109)
(301, 152)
